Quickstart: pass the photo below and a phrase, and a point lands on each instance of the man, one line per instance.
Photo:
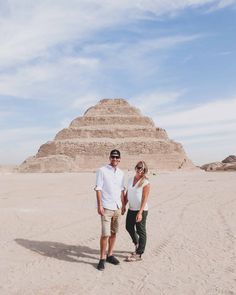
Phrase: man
(110, 198)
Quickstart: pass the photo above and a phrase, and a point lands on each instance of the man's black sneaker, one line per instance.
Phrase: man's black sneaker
(101, 264)
(111, 259)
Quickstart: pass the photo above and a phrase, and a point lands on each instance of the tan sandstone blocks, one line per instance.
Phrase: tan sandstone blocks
(112, 123)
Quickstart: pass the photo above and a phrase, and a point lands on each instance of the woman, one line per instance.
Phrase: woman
(137, 195)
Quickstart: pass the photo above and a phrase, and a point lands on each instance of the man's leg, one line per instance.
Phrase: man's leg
(106, 221)
(103, 247)
(111, 243)
(112, 238)
(114, 229)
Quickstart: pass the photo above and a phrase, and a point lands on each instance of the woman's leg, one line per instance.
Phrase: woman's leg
(141, 230)
(130, 225)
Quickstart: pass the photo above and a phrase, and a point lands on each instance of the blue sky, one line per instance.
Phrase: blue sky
(175, 60)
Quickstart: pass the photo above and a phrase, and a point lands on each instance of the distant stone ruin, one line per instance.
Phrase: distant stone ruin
(112, 123)
(228, 164)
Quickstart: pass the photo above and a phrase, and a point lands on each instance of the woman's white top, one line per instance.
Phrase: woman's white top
(135, 194)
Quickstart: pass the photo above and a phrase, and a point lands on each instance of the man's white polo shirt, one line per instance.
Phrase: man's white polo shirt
(110, 182)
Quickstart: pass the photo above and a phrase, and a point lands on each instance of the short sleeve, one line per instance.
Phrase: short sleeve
(146, 182)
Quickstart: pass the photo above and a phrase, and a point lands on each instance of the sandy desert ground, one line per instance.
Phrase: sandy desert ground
(50, 237)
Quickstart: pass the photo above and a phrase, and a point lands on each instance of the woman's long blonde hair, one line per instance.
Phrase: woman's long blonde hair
(145, 171)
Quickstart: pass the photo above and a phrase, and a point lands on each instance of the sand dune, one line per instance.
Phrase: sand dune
(50, 231)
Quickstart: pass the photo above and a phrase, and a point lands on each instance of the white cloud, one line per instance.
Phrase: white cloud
(225, 3)
(53, 78)
(85, 101)
(207, 132)
(210, 149)
(36, 38)
(222, 4)
(29, 81)
(214, 128)
(208, 113)
(16, 134)
(139, 48)
(146, 46)
(30, 30)
(151, 102)
(25, 149)
(4, 114)
(136, 55)
(17, 144)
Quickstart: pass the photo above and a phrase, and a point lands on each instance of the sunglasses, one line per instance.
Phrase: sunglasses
(115, 157)
(139, 167)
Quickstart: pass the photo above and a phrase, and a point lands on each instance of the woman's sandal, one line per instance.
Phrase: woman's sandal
(134, 252)
(133, 257)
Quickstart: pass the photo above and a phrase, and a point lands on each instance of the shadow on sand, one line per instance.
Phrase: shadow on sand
(61, 251)
(64, 252)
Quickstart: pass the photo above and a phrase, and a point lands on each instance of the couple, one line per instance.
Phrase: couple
(111, 203)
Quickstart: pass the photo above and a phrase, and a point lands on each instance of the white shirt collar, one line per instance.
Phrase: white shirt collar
(112, 168)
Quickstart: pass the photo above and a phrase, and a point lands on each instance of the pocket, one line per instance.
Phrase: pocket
(117, 213)
(107, 215)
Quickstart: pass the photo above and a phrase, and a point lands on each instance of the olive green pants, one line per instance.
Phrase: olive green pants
(137, 230)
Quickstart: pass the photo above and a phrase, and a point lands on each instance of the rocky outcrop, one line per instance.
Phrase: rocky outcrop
(112, 123)
(228, 164)
(230, 159)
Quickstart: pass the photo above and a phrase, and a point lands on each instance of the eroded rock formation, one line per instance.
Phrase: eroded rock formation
(112, 123)
(228, 164)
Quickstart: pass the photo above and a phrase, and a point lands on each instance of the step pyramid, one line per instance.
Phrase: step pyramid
(110, 124)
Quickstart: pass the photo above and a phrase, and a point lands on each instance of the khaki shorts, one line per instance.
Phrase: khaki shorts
(110, 222)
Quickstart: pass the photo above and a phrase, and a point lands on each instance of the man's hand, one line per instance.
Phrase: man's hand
(100, 210)
(123, 209)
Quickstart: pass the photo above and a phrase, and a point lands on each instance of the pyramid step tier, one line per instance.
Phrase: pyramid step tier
(112, 120)
(111, 132)
(60, 163)
(102, 110)
(74, 148)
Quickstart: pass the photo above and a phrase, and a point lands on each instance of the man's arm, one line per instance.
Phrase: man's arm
(99, 202)
(98, 189)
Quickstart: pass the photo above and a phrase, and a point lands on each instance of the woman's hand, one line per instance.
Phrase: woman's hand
(139, 217)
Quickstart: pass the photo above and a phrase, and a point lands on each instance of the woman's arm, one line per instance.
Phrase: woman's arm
(146, 190)
(124, 202)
